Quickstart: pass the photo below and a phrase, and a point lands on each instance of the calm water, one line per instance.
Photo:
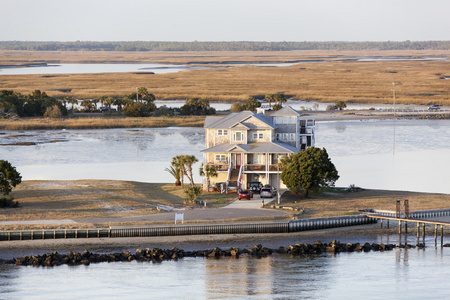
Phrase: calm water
(95, 68)
(398, 274)
(306, 105)
(363, 151)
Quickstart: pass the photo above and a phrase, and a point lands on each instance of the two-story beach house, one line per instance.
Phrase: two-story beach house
(245, 147)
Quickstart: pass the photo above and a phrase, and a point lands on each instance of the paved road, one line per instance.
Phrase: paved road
(235, 210)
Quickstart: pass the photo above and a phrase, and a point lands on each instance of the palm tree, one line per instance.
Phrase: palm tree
(188, 160)
(142, 91)
(72, 100)
(178, 163)
(175, 172)
(208, 171)
(108, 102)
(269, 98)
(87, 104)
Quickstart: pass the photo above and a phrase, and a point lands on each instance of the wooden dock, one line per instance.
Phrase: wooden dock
(419, 222)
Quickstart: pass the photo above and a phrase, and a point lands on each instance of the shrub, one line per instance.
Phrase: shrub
(8, 203)
(53, 112)
(192, 192)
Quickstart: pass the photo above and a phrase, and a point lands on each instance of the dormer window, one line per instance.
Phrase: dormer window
(238, 136)
(222, 132)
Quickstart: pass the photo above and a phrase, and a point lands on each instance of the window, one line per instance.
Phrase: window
(222, 132)
(221, 157)
(259, 159)
(286, 137)
(258, 136)
(238, 136)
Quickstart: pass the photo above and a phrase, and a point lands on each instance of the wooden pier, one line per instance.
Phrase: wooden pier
(403, 215)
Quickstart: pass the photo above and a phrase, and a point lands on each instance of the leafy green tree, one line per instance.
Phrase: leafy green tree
(196, 106)
(310, 170)
(208, 171)
(9, 177)
(340, 105)
(252, 104)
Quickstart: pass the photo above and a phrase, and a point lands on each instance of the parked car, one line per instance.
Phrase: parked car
(245, 194)
(268, 192)
(434, 107)
(255, 186)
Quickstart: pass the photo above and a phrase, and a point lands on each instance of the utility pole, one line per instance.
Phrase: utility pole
(393, 90)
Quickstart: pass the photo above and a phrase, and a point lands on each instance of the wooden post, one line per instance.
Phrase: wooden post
(406, 227)
(418, 233)
(399, 227)
(381, 223)
(423, 233)
(435, 235)
(442, 235)
(387, 223)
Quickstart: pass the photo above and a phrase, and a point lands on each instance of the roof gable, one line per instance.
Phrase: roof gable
(286, 111)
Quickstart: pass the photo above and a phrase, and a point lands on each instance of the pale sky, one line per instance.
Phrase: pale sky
(224, 20)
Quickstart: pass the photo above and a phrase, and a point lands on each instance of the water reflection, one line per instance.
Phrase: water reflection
(282, 275)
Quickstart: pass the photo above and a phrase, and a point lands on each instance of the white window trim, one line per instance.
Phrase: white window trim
(258, 136)
(242, 136)
(222, 132)
(220, 156)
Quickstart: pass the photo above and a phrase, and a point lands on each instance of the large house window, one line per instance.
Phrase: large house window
(259, 159)
(238, 136)
(221, 157)
(286, 137)
(222, 132)
(258, 136)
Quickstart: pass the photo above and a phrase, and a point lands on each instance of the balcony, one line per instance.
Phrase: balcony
(219, 167)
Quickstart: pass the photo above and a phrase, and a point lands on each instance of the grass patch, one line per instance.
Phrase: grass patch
(81, 199)
(341, 203)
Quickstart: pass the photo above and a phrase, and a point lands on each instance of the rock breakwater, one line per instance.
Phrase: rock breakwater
(156, 254)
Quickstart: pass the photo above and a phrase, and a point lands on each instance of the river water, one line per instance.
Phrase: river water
(397, 274)
(379, 154)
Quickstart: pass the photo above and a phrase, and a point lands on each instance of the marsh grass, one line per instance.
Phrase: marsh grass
(418, 82)
(99, 122)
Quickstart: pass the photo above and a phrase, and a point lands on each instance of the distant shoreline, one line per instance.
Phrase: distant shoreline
(101, 121)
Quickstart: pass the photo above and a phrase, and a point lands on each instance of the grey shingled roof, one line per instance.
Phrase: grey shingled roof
(232, 120)
(227, 121)
(265, 147)
(286, 111)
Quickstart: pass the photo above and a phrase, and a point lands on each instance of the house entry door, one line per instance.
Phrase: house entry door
(238, 161)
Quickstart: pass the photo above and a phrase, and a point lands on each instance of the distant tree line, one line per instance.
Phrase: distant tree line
(221, 46)
(137, 104)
